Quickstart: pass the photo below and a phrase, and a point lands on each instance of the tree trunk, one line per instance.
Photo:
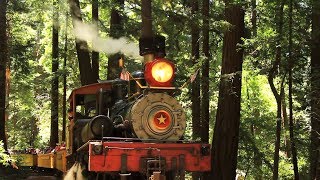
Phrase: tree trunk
(64, 97)
(146, 19)
(315, 92)
(256, 158)
(285, 124)
(3, 64)
(54, 134)
(277, 96)
(205, 74)
(226, 130)
(146, 31)
(86, 75)
(34, 131)
(254, 17)
(116, 31)
(291, 64)
(95, 55)
(195, 92)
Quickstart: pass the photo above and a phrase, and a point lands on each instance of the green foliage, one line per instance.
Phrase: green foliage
(259, 126)
(5, 159)
(30, 25)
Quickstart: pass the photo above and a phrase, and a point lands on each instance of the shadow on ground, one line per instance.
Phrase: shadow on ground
(9, 173)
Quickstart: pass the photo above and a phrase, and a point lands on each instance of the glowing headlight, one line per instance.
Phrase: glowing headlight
(159, 72)
(162, 71)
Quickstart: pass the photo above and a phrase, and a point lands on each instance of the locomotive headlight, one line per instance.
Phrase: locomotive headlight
(162, 72)
(159, 72)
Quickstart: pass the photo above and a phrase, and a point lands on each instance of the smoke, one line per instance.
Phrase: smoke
(75, 172)
(89, 32)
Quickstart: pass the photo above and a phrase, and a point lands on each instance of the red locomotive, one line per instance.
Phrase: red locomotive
(134, 128)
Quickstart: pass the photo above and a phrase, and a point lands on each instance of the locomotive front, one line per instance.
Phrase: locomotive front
(156, 114)
(134, 124)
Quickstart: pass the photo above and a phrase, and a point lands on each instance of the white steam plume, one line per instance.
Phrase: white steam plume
(75, 172)
(89, 32)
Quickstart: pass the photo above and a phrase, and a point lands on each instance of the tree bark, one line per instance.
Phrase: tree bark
(64, 97)
(285, 124)
(86, 75)
(291, 64)
(3, 64)
(95, 55)
(146, 30)
(315, 92)
(195, 92)
(205, 118)
(116, 31)
(226, 130)
(54, 134)
(277, 95)
(146, 19)
(254, 17)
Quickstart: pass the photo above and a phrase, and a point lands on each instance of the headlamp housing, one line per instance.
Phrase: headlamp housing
(159, 72)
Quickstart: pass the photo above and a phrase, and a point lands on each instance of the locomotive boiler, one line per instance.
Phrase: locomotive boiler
(133, 125)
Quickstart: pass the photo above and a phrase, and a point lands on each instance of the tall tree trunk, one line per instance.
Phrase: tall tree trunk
(54, 134)
(277, 95)
(34, 131)
(86, 75)
(146, 31)
(195, 92)
(3, 64)
(285, 124)
(254, 17)
(315, 92)
(205, 74)
(226, 130)
(291, 64)
(95, 55)
(256, 158)
(116, 31)
(64, 97)
(146, 8)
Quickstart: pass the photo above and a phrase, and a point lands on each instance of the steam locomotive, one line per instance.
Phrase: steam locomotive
(134, 127)
(131, 127)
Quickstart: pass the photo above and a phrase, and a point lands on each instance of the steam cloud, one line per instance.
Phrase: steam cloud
(89, 32)
(75, 172)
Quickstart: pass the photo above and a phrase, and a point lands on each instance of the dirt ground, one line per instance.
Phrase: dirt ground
(9, 173)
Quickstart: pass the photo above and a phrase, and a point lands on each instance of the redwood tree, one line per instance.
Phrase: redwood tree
(64, 96)
(84, 60)
(3, 63)
(205, 74)
(291, 63)
(95, 55)
(116, 31)
(315, 92)
(226, 130)
(195, 92)
(277, 95)
(54, 135)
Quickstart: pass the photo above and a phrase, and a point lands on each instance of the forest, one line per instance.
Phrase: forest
(254, 66)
